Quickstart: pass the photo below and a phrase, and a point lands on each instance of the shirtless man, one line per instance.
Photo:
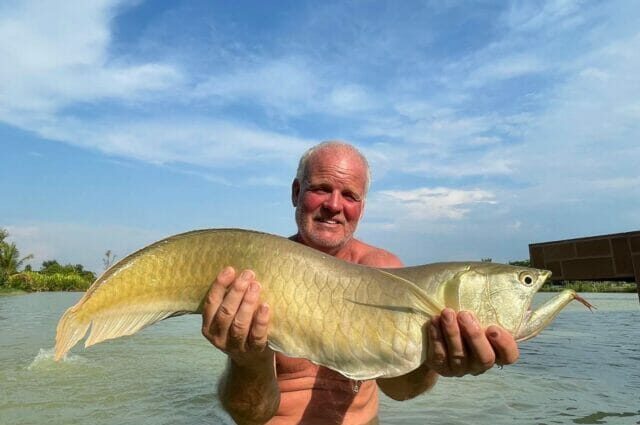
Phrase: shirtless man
(260, 386)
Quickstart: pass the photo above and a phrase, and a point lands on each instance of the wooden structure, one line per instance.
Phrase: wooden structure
(605, 257)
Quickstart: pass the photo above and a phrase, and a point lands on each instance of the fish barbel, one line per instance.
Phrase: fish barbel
(361, 321)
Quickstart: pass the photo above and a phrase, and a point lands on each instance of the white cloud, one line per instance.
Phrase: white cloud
(617, 183)
(430, 203)
(351, 98)
(285, 84)
(588, 132)
(539, 16)
(58, 53)
(505, 68)
(289, 86)
(195, 140)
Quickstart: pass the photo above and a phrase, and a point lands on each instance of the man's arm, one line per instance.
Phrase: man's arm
(234, 321)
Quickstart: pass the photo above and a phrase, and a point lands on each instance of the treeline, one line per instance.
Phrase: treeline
(52, 275)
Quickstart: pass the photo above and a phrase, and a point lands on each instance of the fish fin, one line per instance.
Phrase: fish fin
(73, 326)
(424, 302)
(112, 327)
(71, 329)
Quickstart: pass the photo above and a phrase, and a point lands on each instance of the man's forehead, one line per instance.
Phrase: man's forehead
(337, 176)
(338, 160)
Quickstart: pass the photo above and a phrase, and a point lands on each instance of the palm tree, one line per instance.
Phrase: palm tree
(10, 260)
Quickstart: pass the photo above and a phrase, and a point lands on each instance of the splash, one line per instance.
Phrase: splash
(45, 359)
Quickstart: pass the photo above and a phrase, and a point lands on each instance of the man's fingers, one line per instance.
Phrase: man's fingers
(479, 349)
(260, 328)
(437, 353)
(453, 339)
(241, 324)
(505, 346)
(215, 296)
(229, 307)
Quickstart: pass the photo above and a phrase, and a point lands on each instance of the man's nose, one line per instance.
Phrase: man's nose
(333, 202)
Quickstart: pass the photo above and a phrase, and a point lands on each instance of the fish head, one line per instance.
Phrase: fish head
(499, 294)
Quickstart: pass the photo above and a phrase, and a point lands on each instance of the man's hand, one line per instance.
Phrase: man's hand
(459, 346)
(234, 321)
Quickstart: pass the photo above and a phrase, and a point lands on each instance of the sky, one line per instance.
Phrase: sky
(488, 125)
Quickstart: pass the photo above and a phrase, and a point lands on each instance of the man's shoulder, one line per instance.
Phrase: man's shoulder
(370, 255)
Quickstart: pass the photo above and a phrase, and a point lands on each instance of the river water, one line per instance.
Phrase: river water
(583, 369)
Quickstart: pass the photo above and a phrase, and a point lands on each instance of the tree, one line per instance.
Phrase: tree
(108, 259)
(10, 260)
(51, 267)
(521, 263)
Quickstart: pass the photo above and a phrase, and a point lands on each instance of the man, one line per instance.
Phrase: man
(261, 386)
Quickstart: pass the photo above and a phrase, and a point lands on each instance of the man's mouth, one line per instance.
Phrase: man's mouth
(327, 221)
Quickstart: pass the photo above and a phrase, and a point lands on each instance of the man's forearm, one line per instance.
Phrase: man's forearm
(410, 385)
(249, 394)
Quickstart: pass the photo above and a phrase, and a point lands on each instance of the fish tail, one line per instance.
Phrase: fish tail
(109, 325)
(71, 329)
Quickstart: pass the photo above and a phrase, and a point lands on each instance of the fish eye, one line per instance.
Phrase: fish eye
(526, 278)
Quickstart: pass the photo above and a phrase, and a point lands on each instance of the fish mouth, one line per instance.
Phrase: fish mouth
(527, 328)
(534, 321)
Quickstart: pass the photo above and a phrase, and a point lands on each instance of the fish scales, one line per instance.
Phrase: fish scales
(362, 322)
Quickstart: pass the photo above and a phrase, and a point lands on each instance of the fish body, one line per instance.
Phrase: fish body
(360, 321)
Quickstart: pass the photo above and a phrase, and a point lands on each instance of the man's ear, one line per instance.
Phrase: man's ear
(295, 192)
(362, 209)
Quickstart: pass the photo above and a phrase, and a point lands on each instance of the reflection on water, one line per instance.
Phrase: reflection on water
(600, 417)
(582, 370)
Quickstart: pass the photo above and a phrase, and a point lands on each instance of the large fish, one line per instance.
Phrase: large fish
(360, 321)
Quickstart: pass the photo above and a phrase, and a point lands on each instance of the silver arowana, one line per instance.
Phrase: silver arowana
(362, 322)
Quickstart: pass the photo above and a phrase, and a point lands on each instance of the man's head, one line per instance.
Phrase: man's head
(329, 193)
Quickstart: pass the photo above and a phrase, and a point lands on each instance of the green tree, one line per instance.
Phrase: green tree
(10, 261)
(51, 267)
(521, 263)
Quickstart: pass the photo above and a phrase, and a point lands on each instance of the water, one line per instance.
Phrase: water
(584, 369)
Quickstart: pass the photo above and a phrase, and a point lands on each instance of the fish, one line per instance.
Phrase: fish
(360, 321)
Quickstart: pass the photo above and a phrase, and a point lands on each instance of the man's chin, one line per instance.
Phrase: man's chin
(324, 242)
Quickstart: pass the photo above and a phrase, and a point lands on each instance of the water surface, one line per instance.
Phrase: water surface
(584, 369)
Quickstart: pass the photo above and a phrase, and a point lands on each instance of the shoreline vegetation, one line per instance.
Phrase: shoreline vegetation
(590, 286)
(16, 276)
(52, 276)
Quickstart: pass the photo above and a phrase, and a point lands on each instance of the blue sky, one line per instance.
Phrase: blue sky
(488, 125)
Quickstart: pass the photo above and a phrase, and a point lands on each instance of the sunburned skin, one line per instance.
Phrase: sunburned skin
(329, 203)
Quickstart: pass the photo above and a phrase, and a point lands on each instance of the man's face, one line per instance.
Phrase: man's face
(330, 202)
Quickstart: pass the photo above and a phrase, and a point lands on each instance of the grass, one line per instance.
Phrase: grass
(10, 291)
(30, 281)
(590, 286)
